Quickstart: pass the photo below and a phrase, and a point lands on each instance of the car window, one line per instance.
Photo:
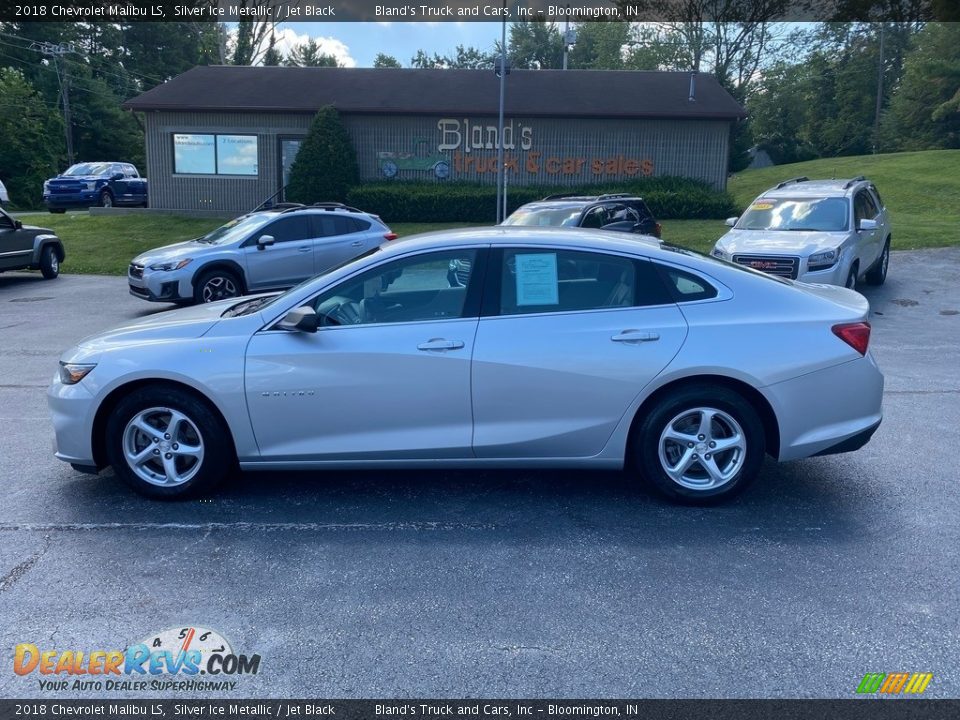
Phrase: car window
(537, 281)
(621, 213)
(288, 229)
(6, 222)
(412, 289)
(687, 287)
(864, 206)
(129, 171)
(817, 214)
(333, 225)
(545, 217)
(595, 218)
(641, 209)
(876, 195)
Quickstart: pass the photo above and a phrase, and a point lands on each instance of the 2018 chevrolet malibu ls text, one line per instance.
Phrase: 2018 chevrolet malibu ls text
(563, 348)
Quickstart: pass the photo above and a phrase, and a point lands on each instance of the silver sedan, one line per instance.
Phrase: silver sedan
(552, 348)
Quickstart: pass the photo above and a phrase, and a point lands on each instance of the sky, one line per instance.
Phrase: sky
(357, 44)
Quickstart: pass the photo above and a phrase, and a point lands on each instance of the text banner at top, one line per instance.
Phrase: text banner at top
(468, 10)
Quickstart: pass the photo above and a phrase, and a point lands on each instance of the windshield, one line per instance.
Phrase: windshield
(237, 228)
(545, 217)
(88, 169)
(819, 214)
(249, 306)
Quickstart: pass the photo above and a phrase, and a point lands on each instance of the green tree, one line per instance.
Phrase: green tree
(33, 146)
(600, 46)
(464, 58)
(385, 61)
(326, 165)
(272, 57)
(925, 110)
(535, 45)
(309, 54)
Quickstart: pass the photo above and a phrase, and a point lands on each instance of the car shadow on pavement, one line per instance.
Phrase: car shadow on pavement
(801, 503)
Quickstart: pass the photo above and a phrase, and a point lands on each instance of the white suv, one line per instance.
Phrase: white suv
(817, 231)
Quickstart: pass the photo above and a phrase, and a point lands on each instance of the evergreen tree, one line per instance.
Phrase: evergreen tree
(385, 61)
(326, 165)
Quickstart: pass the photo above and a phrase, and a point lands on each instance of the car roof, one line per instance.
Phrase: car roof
(516, 234)
(804, 187)
(575, 201)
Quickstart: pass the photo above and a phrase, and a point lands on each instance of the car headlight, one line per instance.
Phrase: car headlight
(72, 373)
(718, 252)
(91, 185)
(46, 185)
(821, 260)
(172, 265)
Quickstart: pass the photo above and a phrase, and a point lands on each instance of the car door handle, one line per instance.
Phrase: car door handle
(440, 344)
(305, 248)
(635, 336)
(356, 243)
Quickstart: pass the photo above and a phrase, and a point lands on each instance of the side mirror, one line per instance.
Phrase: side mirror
(731, 221)
(867, 224)
(264, 241)
(17, 225)
(117, 176)
(303, 319)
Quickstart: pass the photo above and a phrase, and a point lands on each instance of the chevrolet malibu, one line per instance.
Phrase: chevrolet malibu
(562, 348)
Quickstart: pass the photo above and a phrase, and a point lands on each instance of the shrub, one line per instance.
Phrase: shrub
(669, 198)
(326, 165)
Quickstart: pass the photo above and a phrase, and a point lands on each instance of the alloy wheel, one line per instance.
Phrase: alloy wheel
(702, 448)
(163, 446)
(219, 287)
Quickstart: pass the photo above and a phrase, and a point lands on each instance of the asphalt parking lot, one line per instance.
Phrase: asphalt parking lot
(513, 584)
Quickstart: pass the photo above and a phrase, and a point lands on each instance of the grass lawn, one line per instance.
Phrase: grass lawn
(921, 190)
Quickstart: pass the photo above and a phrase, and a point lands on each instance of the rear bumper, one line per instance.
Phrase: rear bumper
(833, 410)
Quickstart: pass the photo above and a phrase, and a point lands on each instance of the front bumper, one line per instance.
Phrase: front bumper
(828, 411)
(64, 200)
(160, 285)
(72, 409)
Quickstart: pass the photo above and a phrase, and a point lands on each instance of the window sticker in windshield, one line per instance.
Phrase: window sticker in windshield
(762, 205)
(537, 281)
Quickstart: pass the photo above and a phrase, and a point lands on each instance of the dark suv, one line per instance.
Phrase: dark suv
(29, 248)
(617, 211)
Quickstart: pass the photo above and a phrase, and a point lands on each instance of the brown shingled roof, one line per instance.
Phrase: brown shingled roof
(573, 93)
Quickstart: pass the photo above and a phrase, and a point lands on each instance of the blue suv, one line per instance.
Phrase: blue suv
(95, 183)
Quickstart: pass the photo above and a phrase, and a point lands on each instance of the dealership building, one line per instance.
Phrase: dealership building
(224, 138)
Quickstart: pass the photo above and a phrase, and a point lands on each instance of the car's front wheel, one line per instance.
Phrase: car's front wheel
(49, 263)
(702, 444)
(217, 285)
(106, 199)
(167, 444)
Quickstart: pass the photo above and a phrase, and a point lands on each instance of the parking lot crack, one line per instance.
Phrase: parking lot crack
(16, 574)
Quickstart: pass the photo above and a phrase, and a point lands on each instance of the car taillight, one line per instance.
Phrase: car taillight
(856, 335)
(390, 236)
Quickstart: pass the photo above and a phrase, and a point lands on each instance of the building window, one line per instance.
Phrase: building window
(214, 154)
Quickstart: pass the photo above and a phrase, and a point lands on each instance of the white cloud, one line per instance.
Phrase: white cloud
(288, 38)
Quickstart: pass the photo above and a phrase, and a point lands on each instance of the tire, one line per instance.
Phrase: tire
(877, 275)
(659, 445)
(49, 263)
(180, 421)
(851, 283)
(106, 199)
(216, 285)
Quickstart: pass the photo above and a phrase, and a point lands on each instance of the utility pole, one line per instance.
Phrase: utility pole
(502, 72)
(876, 116)
(57, 52)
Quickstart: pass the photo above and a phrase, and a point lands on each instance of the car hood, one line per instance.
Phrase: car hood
(177, 251)
(80, 178)
(785, 242)
(184, 324)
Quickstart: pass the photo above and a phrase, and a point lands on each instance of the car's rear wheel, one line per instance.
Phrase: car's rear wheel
(106, 199)
(217, 285)
(878, 273)
(49, 263)
(702, 444)
(167, 444)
